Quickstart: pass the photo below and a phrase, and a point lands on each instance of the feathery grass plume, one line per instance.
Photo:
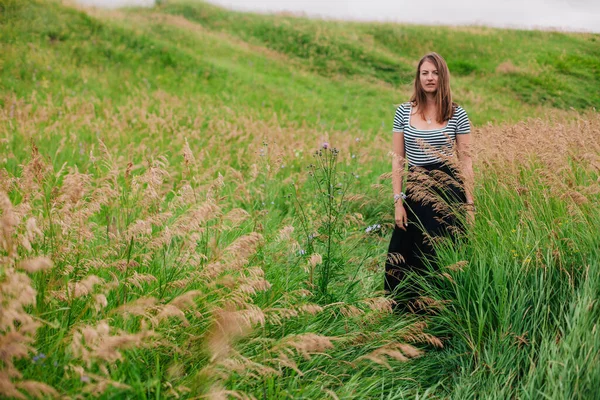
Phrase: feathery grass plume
(215, 187)
(254, 285)
(9, 220)
(397, 351)
(427, 188)
(331, 393)
(6, 181)
(415, 333)
(35, 264)
(177, 307)
(276, 316)
(379, 304)
(236, 255)
(176, 392)
(95, 384)
(32, 388)
(78, 289)
(184, 196)
(138, 279)
(395, 259)
(245, 366)
(143, 307)
(17, 333)
(285, 233)
(95, 343)
(75, 186)
(457, 266)
(188, 155)
(32, 232)
(226, 328)
(305, 344)
(100, 302)
(217, 392)
(194, 220)
(33, 176)
(37, 389)
(350, 311)
(236, 216)
(315, 259)
(447, 276)
(428, 303)
(150, 184)
(186, 300)
(311, 309)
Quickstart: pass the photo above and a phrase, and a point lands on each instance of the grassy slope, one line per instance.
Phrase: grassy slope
(550, 69)
(233, 71)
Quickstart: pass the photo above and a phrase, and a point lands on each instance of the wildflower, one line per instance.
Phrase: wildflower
(325, 145)
(372, 228)
(353, 155)
(301, 252)
(357, 140)
(38, 357)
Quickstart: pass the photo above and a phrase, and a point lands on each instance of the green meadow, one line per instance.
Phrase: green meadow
(197, 203)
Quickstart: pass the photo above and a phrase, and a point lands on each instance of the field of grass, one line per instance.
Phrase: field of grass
(173, 226)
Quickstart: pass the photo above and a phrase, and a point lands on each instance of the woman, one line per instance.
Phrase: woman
(432, 134)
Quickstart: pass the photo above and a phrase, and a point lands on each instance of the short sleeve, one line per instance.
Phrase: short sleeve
(463, 125)
(398, 125)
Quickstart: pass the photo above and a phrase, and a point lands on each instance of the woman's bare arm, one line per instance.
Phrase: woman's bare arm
(398, 161)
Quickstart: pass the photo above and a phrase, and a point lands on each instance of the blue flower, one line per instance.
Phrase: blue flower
(38, 357)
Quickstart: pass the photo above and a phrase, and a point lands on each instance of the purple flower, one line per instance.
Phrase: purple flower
(325, 145)
(373, 228)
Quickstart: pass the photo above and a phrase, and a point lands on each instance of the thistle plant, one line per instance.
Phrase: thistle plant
(331, 185)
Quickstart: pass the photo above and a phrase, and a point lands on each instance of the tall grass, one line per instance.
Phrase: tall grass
(164, 243)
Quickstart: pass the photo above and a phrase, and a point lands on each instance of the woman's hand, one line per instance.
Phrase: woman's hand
(401, 219)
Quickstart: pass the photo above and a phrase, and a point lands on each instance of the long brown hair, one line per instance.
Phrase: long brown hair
(443, 95)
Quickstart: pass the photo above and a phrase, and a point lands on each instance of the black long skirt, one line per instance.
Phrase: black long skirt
(435, 194)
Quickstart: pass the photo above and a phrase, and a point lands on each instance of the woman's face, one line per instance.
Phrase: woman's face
(428, 74)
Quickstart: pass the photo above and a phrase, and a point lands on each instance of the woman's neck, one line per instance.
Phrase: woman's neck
(430, 103)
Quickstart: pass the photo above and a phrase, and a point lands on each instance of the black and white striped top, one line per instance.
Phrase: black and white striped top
(424, 146)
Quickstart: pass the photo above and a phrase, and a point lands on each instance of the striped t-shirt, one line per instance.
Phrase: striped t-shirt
(423, 146)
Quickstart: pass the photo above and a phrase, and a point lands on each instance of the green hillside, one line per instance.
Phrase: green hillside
(196, 203)
(299, 67)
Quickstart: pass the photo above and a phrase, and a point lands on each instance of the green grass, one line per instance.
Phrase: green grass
(165, 151)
